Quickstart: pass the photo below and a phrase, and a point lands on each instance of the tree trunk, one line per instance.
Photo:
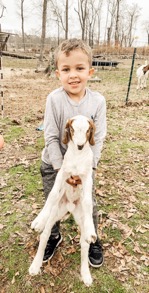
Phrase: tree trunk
(66, 31)
(117, 24)
(82, 13)
(22, 23)
(43, 34)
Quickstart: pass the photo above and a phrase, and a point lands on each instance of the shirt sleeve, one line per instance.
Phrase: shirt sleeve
(100, 133)
(52, 133)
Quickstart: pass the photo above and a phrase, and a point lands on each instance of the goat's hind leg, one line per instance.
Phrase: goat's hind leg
(85, 271)
(56, 214)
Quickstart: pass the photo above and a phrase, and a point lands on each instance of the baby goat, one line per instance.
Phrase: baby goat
(142, 75)
(63, 198)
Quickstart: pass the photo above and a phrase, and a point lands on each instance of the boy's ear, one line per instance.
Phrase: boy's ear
(91, 72)
(57, 73)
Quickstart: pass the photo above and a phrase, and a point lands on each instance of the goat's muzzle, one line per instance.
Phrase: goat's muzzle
(80, 147)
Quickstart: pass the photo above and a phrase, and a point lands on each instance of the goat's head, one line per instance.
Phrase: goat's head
(79, 129)
(146, 68)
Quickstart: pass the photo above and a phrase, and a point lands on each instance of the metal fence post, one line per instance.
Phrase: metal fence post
(130, 77)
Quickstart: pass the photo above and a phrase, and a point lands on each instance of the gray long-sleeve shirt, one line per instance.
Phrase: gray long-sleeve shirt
(59, 108)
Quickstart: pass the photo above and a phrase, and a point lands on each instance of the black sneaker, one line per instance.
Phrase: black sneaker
(95, 254)
(52, 244)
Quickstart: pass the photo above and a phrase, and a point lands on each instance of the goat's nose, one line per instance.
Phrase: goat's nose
(80, 147)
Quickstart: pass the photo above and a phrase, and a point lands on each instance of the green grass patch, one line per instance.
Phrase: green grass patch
(14, 132)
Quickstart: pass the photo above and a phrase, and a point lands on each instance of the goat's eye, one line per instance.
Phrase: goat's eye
(71, 129)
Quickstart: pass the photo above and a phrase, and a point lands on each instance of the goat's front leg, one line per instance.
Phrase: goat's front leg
(85, 271)
(87, 207)
(145, 78)
(139, 85)
(54, 196)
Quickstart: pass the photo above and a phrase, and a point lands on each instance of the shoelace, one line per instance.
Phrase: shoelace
(97, 248)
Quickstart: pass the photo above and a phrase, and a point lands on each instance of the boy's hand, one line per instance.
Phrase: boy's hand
(74, 181)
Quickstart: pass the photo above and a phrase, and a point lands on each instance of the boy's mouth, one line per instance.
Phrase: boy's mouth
(74, 82)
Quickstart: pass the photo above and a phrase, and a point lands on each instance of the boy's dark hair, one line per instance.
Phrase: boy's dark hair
(73, 44)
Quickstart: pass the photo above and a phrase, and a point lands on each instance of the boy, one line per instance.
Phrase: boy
(73, 61)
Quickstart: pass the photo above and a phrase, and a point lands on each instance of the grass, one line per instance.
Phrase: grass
(122, 201)
(19, 63)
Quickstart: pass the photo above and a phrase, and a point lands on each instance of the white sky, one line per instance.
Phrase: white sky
(11, 20)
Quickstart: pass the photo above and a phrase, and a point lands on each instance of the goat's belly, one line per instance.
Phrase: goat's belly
(73, 196)
(70, 207)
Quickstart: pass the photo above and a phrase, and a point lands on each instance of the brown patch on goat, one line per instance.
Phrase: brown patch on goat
(90, 133)
(145, 68)
(68, 132)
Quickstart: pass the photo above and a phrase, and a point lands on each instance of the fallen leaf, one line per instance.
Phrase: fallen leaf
(101, 182)
(137, 249)
(100, 193)
(35, 206)
(132, 198)
(145, 259)
(140, 229)
(42, 290)
(128, 258)
(1, 226)
(71, 250)
(13, 280)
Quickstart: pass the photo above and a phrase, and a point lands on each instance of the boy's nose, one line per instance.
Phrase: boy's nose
(72, 73)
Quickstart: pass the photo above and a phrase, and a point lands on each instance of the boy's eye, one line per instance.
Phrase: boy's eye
(80, 68)
(65, 69)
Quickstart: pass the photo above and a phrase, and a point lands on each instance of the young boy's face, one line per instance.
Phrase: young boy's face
(74, 71)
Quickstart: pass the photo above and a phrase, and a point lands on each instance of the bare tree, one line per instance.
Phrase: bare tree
(2, 8)
(23, 13)
(43, 33)
(93, 14)
(60, 13)
(20, 12)
(146, 28)
(110, 20)
(133, 14)
(22, 23)
(99, 21)
(66, 21)
(82, 14)
(117, 22)
(127, 24)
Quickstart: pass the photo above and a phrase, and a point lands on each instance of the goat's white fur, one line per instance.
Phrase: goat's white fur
(142, 77)
(64, 198)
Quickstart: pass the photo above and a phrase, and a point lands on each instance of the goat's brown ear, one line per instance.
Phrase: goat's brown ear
(92, 132)
(66, 136)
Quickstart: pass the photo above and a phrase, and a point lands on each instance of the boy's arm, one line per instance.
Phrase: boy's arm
(100, 133)
(51, 134)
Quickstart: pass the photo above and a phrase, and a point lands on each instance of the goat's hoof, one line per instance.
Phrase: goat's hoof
(91, 238)
(87, 280)
(38, 224)
(34, 270)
